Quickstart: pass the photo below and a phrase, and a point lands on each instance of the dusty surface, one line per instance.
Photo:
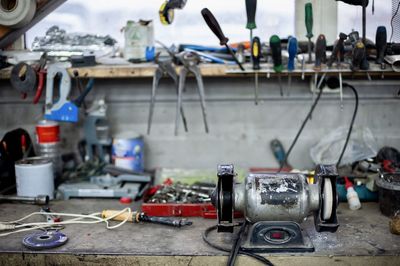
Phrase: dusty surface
(361, 233)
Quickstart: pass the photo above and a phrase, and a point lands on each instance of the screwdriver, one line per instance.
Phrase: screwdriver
(136, 217)
(358, 55)
(251, 6)
(320, 52)
(338, 50)
(256, 55)
(276, 50)
(215, 27)
(292, 49)
(381, 44)
(309, 27)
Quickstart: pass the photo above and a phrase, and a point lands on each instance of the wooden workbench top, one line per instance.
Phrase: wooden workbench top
(362, 238)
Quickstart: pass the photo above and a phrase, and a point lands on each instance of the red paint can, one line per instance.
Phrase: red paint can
(47, 132)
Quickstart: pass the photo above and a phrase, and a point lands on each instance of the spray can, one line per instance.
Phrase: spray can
(352, 196)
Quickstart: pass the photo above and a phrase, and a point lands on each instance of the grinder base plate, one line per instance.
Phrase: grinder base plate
(285, 236)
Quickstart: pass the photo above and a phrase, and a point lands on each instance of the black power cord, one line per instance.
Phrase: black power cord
(334, 83)
(351, 123)
(304, 123)
(240, 251)
(236, 246)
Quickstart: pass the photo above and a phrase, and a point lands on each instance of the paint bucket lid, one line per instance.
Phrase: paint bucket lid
(33, 161)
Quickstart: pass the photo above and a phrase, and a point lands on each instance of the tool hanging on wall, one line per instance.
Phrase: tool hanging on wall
(190, 61)
(29, 79)
(320, 52)
(292, 49)
(62, 109)
(358, 55)
(251, 7)
(164, 66)
(216, 28)
(256, 56)
(338, 57)
(381, 45)
(276, 50)
(309, 27)
(167, 10)
(24, 79)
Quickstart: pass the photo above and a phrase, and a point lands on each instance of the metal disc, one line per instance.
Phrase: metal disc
(45, 240)
(328, 199)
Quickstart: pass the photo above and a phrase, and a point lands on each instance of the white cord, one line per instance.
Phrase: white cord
(77, 220)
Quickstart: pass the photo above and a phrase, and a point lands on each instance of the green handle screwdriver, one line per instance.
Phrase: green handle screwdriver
(251, 6)
(276, 50)
(309, 27)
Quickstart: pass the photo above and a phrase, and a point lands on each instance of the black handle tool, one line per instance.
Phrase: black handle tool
(216, 28)
(381, 44)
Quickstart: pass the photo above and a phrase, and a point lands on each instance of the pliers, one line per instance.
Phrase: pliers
(190, 61)
(165, 66)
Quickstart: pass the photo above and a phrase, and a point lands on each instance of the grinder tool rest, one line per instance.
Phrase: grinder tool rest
(274, 205)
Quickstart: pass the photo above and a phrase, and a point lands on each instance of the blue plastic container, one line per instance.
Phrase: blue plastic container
(129, 153)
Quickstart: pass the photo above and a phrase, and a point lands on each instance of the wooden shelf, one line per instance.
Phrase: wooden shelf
(146, 70)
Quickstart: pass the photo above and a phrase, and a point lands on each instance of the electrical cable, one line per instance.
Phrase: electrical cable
(241, 251)
(304, 122)
(236, 246)
(391, 21)
(351, 123)
(77, 220)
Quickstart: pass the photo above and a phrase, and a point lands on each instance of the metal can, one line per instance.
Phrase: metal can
(128, 153)
(34, 176)
(47, 132)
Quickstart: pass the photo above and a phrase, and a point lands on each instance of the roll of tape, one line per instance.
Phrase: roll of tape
(23, 78)
(16, 13)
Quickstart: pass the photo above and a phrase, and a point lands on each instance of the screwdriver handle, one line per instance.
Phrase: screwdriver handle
(309, 20)
(320, 51)
(381, 44)
(251, 6)
(214, 26)
(292, 49)
(121, 217)
(276, 49)
(256, 52)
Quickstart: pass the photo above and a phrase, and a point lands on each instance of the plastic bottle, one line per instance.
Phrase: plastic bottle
(352, 196)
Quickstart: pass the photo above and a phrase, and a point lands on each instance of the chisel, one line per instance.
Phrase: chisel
(309, 27)
(276, 50)
(251, 6)
(256, 55)
(215, 27)
(292, 50)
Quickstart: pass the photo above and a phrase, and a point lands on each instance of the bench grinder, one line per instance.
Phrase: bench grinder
(275, 204)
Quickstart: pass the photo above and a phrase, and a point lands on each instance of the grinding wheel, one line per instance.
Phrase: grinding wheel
(327, 199)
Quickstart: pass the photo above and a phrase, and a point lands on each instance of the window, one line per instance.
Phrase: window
(350, 18)
(104, 17)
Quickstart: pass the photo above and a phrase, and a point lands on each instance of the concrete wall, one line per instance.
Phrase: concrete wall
(240, 132)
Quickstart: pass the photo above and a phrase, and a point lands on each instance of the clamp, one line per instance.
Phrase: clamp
(165, 66)
(190, 61)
